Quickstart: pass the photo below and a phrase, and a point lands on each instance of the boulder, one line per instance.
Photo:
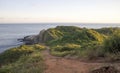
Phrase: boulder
(106, 69)
(29, 39)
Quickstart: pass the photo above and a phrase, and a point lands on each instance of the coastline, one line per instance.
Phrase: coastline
(60, 43)
(23, 29)
(11, 46)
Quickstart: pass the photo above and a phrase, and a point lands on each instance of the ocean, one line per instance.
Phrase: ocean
(9, 33)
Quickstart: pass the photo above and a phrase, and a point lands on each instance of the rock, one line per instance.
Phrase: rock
(33, 39)
(28, 40)
(106, 69)
(41, 36)
(20, 40)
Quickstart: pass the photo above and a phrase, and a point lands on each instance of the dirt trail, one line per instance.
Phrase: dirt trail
(63, 65)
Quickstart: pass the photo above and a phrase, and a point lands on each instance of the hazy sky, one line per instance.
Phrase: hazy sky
(88, 11)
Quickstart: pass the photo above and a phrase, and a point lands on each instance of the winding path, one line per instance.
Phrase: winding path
(63, 65)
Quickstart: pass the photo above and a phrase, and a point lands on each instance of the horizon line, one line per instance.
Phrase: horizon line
(57, 23)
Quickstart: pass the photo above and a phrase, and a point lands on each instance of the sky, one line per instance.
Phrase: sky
(50, 11)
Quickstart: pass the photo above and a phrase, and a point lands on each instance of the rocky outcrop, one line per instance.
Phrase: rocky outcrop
(106, 69)
(41, 36)
(33, 39)
(30, 39)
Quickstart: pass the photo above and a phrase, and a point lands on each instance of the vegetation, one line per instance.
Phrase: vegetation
(75, 35)
(93, 43)
(23, 59)
(63, 41)
(107, 31)
(112, 44)
(65, 50)
(14, 54)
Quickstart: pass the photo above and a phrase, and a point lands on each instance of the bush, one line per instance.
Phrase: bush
(32, 63)
(76, 35)
(14, 54)
(91, 50)
(62, 54)
(65, 49)
(39, 47)
(112, 44)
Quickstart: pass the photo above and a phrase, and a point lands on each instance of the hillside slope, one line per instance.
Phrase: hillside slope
(69, 34)
(73, 34)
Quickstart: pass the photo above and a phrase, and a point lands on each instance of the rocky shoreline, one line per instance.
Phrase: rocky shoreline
(33, 39)
(27, 39)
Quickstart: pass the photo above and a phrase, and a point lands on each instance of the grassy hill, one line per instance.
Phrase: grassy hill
(71, 34)
(90, 42)
(23, 59)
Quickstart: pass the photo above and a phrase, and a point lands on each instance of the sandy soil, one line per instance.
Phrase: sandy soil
(63, 65)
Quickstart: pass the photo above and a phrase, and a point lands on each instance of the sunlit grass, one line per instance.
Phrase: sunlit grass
(23, 59)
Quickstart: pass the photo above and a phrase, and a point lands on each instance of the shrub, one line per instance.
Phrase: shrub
(32, 63)
(91, 50)
(14, 54)
(112, 44)
(39, 47)
(65, 49)
(62, 54)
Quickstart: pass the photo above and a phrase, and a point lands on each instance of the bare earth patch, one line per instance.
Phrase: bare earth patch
(63, 65)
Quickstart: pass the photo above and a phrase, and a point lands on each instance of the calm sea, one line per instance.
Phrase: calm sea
(9, 33)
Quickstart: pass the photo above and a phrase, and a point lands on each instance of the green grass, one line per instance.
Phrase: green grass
(93, 43)
(39, 47)
(67, 49)
(24, 59)
(14, 54)
(32, 63)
